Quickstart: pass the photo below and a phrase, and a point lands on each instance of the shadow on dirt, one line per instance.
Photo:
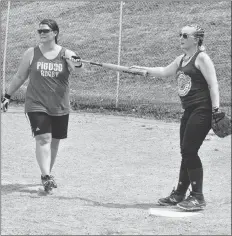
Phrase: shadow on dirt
(10, 188)
(88, 202)
(33, 188)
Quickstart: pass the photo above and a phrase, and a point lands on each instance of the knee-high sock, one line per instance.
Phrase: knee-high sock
(184, 181)
(196, 179)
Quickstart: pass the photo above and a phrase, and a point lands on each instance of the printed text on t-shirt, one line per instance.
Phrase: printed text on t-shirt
(49, 69)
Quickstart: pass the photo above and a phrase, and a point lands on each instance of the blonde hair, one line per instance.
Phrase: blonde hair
(199, 34)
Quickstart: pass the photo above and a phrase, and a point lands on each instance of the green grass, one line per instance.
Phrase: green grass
(149, 38)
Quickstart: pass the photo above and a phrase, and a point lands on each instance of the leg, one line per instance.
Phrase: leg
(43, 152)
(54, 150)
(59, 131)
(197, 128)
(184, 181)
(41, 129)
(178, 195)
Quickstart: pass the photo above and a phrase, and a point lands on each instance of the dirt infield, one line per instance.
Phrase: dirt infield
(110, 171)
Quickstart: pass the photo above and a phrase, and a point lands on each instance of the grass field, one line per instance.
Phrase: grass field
(110, 171)
(149, 38)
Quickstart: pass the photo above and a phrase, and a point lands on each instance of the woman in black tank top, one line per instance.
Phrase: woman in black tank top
(199, 95)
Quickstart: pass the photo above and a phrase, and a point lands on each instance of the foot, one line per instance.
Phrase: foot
(54, 182)
(47, 183)
(193, 202)
(51, 178)
(172, 199)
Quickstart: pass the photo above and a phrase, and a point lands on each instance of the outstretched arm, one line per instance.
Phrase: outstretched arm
(162, 71)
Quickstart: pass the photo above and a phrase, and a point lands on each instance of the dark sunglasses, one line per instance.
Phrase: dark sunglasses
(185, 35)
(45, 31)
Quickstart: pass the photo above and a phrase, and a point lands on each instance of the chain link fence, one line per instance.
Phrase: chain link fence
(149, 38)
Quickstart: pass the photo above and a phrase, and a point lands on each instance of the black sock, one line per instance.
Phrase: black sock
(183, 182)
(196, 178)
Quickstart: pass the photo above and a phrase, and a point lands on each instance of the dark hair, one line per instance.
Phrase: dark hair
(199, 34)
(53, 25)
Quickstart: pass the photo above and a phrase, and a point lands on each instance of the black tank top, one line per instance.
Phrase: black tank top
(192, 87)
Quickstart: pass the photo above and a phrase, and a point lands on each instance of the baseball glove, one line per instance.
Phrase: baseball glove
(221, 124)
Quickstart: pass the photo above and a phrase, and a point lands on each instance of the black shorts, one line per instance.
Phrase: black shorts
(42, 123)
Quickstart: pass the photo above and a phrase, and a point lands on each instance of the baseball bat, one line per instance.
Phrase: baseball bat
(124, 69)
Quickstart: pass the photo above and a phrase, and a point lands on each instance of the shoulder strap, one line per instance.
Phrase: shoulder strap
(195, 56)
(62, 55)
(37, 53)
(62, 52)
(181, 61)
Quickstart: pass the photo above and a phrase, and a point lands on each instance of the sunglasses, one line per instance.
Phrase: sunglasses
(45, 31)
(185, 35)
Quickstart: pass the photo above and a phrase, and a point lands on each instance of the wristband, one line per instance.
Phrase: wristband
(79, 66)
(77, 58)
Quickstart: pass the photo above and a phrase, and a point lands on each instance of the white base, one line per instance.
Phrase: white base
(171, 212)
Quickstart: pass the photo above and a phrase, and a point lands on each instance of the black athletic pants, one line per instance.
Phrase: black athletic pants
(195, 125)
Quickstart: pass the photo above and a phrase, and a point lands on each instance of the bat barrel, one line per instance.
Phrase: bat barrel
(110, 66)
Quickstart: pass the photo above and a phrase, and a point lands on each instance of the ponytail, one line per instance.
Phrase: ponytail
(201, 47)
(199, 34)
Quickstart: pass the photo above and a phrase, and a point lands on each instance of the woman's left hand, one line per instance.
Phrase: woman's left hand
(76, 61)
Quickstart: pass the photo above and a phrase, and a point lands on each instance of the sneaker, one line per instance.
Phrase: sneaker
(51, 177)
(54, 182)
(193, 202)
(172, 199)
(47, 182)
